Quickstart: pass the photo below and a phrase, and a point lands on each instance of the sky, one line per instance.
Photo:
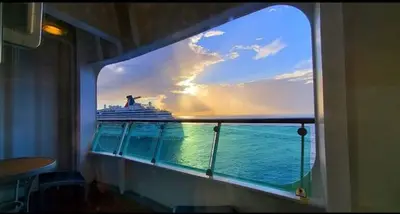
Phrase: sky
(259, 64)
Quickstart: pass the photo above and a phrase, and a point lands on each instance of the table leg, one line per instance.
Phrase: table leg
(17, 191)
(28, 190)
(17, 201)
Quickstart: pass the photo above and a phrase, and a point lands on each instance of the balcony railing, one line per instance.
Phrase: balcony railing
(273, 152)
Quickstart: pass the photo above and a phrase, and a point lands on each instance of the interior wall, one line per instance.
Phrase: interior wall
(372, 35)
(87, 119)
(30, 113)
(34, 116)
(87, 98)
(23, 105)
(329, 67)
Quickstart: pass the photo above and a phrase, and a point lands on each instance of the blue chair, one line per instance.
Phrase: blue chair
(60, 178)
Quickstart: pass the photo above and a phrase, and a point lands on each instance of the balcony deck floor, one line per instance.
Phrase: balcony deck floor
(64, 200)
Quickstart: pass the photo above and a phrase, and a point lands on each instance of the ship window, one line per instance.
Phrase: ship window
(255, 67)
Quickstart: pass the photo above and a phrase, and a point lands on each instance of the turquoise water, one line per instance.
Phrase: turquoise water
(265, 154)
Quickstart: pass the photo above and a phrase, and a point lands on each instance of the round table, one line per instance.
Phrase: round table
(25, 168)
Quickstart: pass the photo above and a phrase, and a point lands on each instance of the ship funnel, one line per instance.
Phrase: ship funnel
(130, 100)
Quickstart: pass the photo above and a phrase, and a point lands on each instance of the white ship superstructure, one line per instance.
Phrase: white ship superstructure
(133, 110)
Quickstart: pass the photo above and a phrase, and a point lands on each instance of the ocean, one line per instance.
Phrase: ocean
(264, 154)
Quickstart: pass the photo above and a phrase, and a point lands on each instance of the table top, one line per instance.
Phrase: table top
(18, 168)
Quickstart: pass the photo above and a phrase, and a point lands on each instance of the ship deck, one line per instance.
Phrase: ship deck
(98, 202)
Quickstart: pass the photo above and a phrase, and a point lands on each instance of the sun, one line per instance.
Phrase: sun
(191, 89)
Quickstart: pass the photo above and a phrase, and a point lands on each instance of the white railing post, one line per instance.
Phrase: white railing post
(301, 191)
(121, 162)
(158, 146)
(214, 148)
(93, 140)
(118, 151)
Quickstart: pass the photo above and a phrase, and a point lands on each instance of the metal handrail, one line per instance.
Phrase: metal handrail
(298, 120)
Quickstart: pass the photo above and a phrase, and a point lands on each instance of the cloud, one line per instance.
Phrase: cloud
(256, 98)
(171, 84)
(187, 85)
(198, 49)
(176, 69)
(305, 75)
(181, 104)
(304, 64)
(164, 84)
(270, 49)
(213, 33)
(200, 66)
(272, 10)
(169, 78)
(233, 55)
(303, 72)
(156, 101)
(263, 51)
(196, 38)
(240, 85)
(242, 47)
(116, 68)
(145, 77)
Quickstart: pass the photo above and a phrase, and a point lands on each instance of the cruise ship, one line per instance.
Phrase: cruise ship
(133, 110)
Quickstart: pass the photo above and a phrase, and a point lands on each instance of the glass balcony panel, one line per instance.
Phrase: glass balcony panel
(265, 154)
(141, 140)
(187, 145)
(108, 137)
